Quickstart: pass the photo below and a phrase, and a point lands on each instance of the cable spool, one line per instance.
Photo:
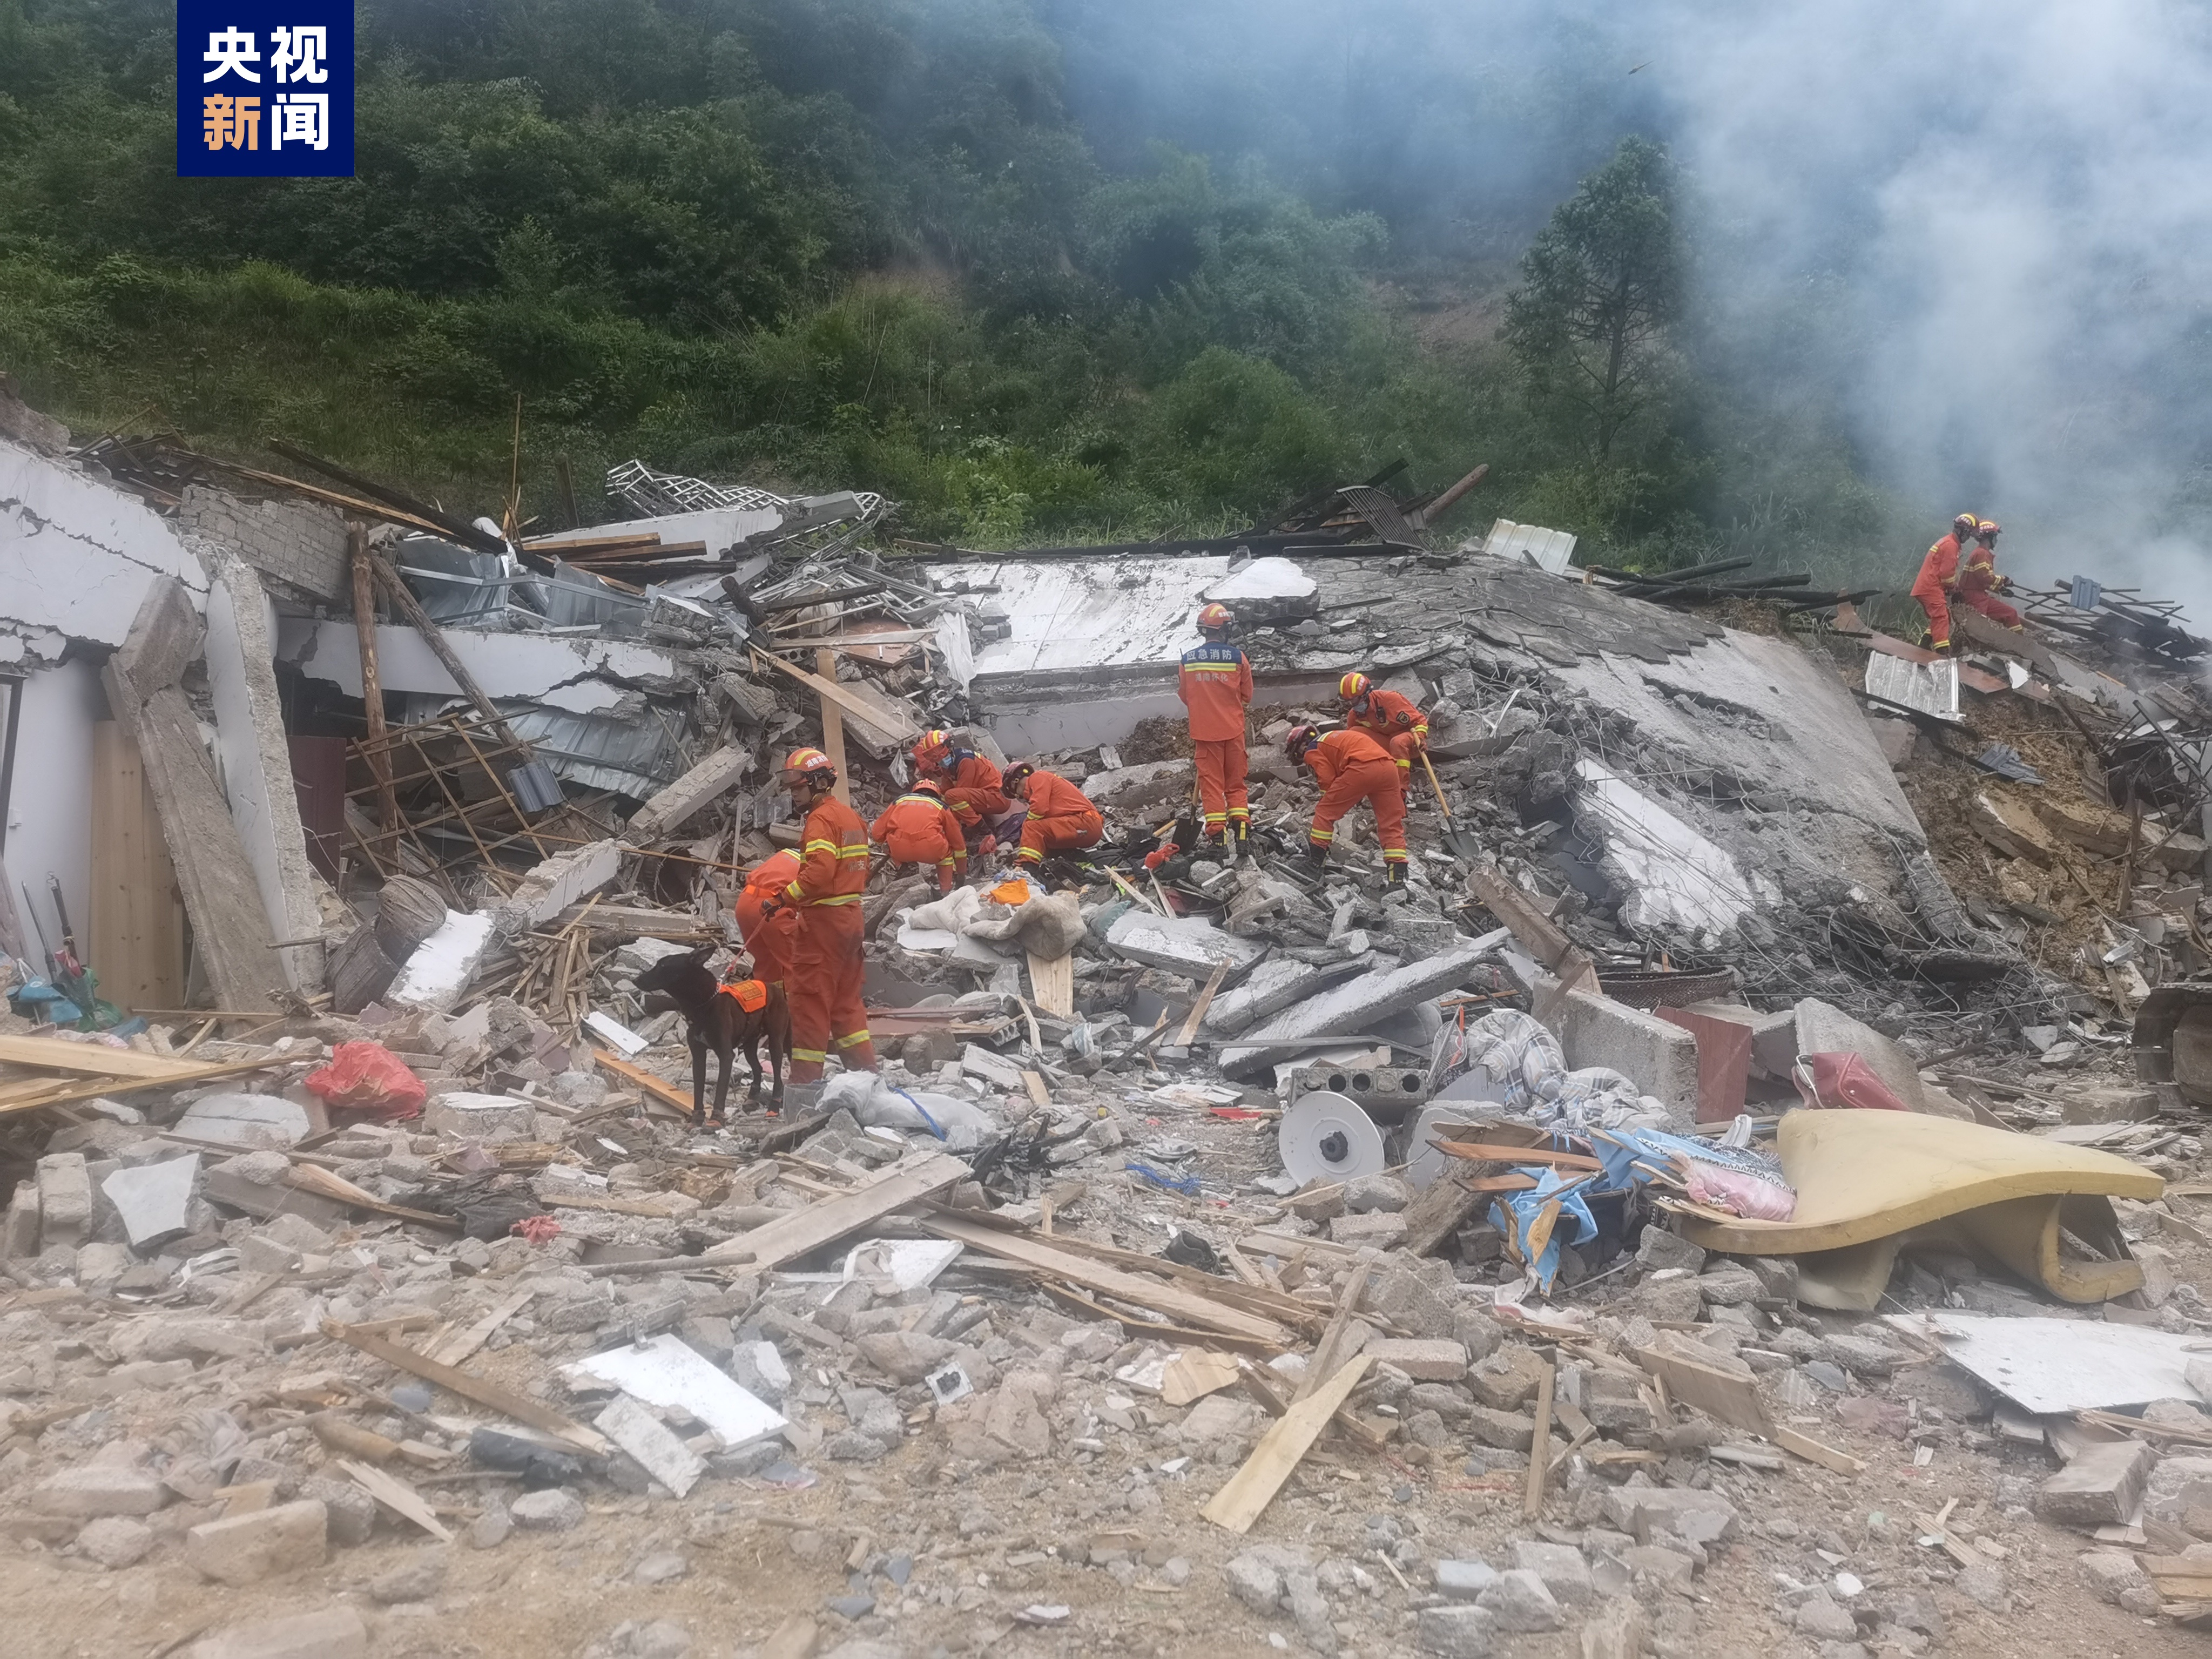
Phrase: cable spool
(1325, 1137)
(1425, 1165)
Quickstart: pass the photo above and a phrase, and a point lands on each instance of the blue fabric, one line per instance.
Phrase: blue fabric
(1518, 1212)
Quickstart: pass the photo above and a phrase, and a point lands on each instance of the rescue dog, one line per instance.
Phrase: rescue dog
(714, 1019)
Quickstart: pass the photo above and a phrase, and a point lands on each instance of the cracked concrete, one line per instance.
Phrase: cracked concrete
(77, 553)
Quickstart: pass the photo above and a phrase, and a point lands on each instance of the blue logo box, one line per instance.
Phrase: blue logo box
(265, 90)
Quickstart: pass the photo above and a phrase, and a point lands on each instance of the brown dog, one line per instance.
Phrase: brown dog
(714, 1019)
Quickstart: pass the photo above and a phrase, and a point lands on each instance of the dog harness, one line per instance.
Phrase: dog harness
(751, 995)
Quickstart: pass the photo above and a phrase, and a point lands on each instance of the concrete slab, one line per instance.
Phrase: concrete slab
(437, 975)
(256, 766)
(1673, 877)
(527, 666)
(1660, 1058)
(1189, 945)
(1773, 1036)
(1274, 986)
(562, 880)
(65, 1200)
(711, 778)
(154, 1200)
(245, 1121)
(481, 1117)
(77, 553)
(1824, 1028)
(1348, 1008)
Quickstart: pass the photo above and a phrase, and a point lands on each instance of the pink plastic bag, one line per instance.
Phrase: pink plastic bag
(368, 1080)
(1843, 1081)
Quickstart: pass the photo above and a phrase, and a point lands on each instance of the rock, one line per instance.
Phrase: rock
(1614, 1404)
(332, 1633)
(2100, 1487)
(1820, 1618)
(1562, 1568)
(1984, 1585)
(1477, 1330)
(1015, 1418)
(1778, 1273)
(1667, 1301)
(907, 1356)
(416, 1579)
(1255, 1578)
(1618, 1632)
(664, 1568)
(92, 1490)
(1729, 1286)
(552, 1511)
(115, 1540)
(1407, 1300)
(490, 1529)
(1364, 1195)
(2118, 1579)
(1507, 1430)
(1464, 1581)
(1520, 1603)
(1383, 1229)
(350, 1512)
(1657, 1565)
(1861, 1357)
(1658, 1247)
(1425, 1360)
(1641, 1511)
(1457, 1632)
(1508, 1380)
(245, 1549)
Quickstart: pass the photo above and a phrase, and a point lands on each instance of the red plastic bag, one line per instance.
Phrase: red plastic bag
(370, 1081)
(1842, 1081)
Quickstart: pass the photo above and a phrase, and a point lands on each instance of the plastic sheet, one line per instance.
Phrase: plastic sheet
(1518, 1214)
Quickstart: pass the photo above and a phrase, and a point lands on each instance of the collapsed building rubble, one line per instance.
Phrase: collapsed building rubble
(1653, 1220)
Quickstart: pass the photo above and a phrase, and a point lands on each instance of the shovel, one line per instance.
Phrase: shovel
(1461, 842)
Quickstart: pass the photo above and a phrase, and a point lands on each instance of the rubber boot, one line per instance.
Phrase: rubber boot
(1393, 875)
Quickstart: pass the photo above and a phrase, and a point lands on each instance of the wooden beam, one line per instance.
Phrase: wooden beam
(1186, 1306)
(831, 691)
(833, 727)
(831, 1219)
(372, 679)
(434, 637)
(1540, 1448)
(495, 1395)
(668, 1093)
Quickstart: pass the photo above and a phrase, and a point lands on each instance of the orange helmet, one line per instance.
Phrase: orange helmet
(1965, 524)
(1987, 530)
(809, 764)
(1303, 737)
(1016, 774)
(934, 742)
(929, 786)
(1353, 686)
(1214, 617)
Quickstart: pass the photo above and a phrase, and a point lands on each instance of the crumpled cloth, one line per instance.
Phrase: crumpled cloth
(1512, 1049)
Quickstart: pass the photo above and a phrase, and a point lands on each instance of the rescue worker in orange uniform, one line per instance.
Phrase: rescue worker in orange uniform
(1060, 819)
(1353, 767)
(767, 926)
(1939, 574)
(1979, 583)
(1216, 686)
(919, 828)
(972, 787)
(1392, 720)
(824, 984)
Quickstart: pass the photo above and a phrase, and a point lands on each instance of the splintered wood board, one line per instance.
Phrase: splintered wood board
(1254, 1486)
(831, 1218)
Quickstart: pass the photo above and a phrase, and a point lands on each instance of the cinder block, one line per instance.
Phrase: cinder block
(1425, 1360)
(2099, 1487)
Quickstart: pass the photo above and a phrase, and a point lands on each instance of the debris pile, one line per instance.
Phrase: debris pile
(1708, 1203)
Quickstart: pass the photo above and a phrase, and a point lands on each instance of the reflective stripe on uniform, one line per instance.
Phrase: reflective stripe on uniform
(835, 898)
(816, 1055)
(848, 1041)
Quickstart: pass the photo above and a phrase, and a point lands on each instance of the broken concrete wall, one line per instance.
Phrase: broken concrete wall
(506, 665)
(300, 545)
(257, 767)
(77, 553)
(50, 804)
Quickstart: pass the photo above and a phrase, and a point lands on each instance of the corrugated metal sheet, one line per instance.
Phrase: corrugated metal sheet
(1549, 550)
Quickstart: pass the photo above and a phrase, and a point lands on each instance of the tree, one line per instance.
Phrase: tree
(1602, 287)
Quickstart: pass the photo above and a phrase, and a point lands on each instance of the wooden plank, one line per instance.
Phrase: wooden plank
(54, 1055)
(93, 1088)
(495, 1395)
(668, 1093)
(396, 1495)
(1052, 981)
(833, 727)
(1194, 1373)
(1254, 1486)
(313, 1178)
(1189, 1307)
(1540, 1448)
(137, 934)
(1189, 1032)
(866, 713)
(1712, 1388)
(825, 1223)
(1039, 1095)
(1271, 1303)
(1324, 1364)
(1478, 1151)
(1813, 1451)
